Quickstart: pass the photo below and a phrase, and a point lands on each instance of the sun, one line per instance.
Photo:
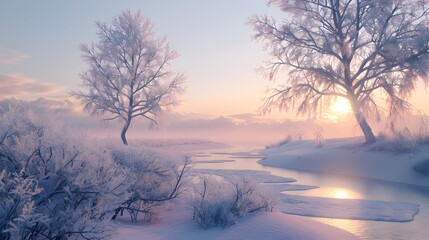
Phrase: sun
(341, 193)
(341, 105)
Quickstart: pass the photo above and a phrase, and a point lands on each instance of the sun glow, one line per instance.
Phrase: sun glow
(341, 105)
(341, 193)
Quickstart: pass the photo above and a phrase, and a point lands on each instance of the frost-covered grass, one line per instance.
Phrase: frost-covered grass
(282, 142)
(404, 138)
(398, 142)
(319, 139)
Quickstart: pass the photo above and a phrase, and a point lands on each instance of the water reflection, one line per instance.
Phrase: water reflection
(335, 186)
(353, 226)
(335, 192)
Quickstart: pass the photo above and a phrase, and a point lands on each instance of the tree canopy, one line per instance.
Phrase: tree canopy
(129, 72)
(370, 52)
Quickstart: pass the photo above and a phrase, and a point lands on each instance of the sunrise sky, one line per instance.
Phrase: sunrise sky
(40, 57)
(40, 42)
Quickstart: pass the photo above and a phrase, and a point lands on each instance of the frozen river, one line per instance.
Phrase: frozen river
(335, 186)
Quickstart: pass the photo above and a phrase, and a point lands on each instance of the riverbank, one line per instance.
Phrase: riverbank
(177, 224)
(349, 157)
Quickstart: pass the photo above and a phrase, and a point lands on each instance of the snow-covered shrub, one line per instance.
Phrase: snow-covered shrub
(71, 189)
(17, 210)
(318, 138)
(249, 198)
(212, 204)
(155, 179)
(219, 202)
(422, 167)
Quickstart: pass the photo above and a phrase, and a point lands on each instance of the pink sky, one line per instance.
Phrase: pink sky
(40, 58)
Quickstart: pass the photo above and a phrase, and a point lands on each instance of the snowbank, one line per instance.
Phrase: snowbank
(278, 226)
(177, 222)
(349, 157)
(178, 225)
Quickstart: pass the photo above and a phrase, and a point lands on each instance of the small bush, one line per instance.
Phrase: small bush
(154, 180)
(318, 138)
(422, 167)
(219, 202)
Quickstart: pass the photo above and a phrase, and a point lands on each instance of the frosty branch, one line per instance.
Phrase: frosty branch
(129, 72)
(361, 50)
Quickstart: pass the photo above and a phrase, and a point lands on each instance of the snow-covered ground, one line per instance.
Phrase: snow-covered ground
(361, 209)
(177, 221)
(177, 224)
(339, 156)
(349, 157)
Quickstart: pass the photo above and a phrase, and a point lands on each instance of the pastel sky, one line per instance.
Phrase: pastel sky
(40, 56)
(40, 41)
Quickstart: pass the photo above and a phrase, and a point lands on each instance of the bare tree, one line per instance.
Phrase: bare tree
(370, 52)
(129, 72)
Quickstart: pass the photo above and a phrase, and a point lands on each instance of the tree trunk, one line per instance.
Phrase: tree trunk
(364, 126)
(366, 129)
(124, 132)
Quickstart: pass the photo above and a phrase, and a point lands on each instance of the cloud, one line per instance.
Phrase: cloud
(18, 85)
(11, 56)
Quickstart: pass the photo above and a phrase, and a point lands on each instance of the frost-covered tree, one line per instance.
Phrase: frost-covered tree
(129, 72)
(370, 52)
